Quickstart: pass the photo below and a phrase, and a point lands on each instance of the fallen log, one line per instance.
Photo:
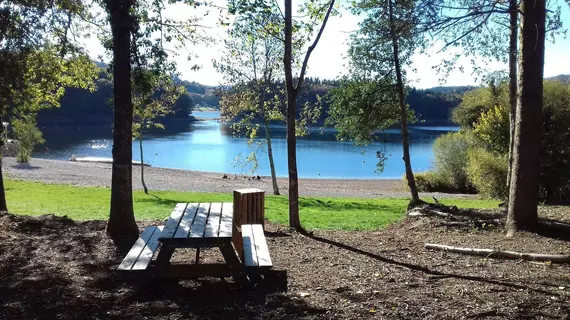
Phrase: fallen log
(559, 258)
(472, 223)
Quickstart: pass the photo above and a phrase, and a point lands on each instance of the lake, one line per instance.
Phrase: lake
(210, 146)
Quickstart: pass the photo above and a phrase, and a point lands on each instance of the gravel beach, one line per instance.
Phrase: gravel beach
(99, 174)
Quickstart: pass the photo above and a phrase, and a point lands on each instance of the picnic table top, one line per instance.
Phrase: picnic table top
(195, 222)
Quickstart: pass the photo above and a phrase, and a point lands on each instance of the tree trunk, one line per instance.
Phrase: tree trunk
(142, 161)
(523, 197)
(121, 224)
(512, 81)
(3, 206)
(271, 162)
(403, 109)
(294, 220)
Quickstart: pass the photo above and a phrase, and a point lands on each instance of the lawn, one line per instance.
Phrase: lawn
(92, 203)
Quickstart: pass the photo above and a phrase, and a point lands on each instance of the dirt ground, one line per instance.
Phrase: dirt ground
(55, 268)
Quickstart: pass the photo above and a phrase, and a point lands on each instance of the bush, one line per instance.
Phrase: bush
(431, 182)
(478, 101)
(488, 172)
(493, 129)
(450, 153)
(28, 136)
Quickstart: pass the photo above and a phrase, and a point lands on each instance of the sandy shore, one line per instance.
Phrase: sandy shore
(99, 174)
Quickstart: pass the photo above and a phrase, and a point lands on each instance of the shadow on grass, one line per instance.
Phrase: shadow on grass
(343, 205)
(426, 270)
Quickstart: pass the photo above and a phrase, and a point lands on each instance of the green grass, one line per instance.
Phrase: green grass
(92, 203)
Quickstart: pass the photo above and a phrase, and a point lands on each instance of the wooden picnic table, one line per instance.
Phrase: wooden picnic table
(198, 226)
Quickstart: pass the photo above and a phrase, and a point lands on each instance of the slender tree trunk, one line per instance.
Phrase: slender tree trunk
(403, 109)
(122, 220)
(294, 220)
(271, 162)
(3, 206)
(142, 161)
(523, 193)
(512, 81)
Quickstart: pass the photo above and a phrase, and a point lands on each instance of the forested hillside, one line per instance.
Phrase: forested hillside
(81, 107)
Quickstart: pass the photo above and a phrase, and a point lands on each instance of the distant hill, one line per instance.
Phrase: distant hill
(202, 95)
(565, 78)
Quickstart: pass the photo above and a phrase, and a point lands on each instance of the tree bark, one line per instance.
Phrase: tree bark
(121, 224)
(294, 220)
(271, 162)
(512, 81)
(523, 192)
(142, 161)
(3, 206)
(403, 108)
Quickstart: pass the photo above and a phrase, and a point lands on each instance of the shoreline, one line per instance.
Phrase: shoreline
(157, 178)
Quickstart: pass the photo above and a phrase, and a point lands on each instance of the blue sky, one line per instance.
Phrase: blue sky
(327, 61)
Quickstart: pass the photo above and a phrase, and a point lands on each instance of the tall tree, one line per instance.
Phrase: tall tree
(253, 71)
(155, 95)
(396, 32)
(139, 31)
(121, 222)
(379, 51)
(38, 58)
(513, 51)
(523, 193)
(293, 87)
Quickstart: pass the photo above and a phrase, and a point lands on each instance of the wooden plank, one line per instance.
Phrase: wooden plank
(249, 253)
(173, 221)
(226, 220)
(148, 251)
(186, 222)
(263, 211)
(213, 224)
(137, 248)
(197, 230)
(263, 257)
(250, 208)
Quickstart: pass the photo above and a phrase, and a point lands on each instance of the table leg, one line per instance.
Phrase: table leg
(164, 255)
(197, 255)
(233, 261)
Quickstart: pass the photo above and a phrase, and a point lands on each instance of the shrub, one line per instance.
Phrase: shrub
(493, 129)
(450, 160)
(28, 136)
(478, 101)
(488, 172)
(431, 182)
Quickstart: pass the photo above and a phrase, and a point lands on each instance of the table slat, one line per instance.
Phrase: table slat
(249, 252)
(226, 220)
(148, 251)
(186, 222)
(197, 230)
(263, 258)
(173, 221)
(213, 224)
(137, 248)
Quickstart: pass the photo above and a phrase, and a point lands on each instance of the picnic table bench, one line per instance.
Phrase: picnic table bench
(199, 225)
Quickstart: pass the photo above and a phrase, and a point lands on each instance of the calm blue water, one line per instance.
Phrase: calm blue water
(210, 146)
